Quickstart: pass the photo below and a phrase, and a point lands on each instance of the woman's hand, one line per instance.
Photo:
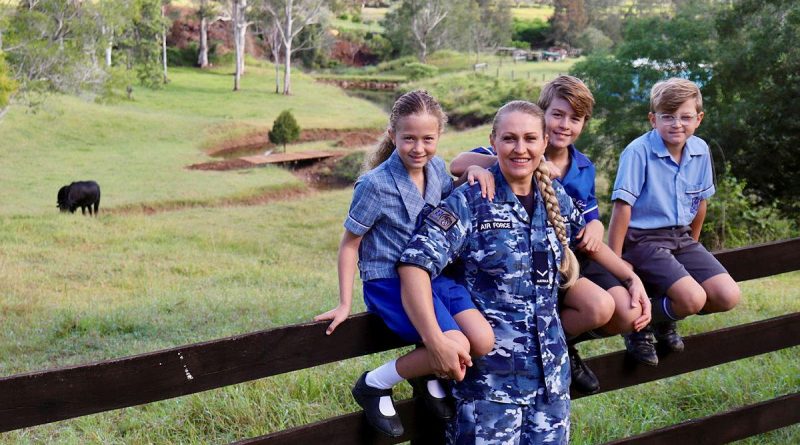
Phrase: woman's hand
(484, 177)
(591, 236)
(338, 315)
(448, 358)
(639, 299)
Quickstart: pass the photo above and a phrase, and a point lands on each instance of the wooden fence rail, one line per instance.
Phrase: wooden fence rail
(48, 396)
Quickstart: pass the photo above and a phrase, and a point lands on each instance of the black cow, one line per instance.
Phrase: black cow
(81, 194)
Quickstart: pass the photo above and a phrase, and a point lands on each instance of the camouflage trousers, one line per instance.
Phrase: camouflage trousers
(481, 422)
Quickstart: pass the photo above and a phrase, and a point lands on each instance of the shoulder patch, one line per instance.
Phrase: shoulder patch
(442, 218)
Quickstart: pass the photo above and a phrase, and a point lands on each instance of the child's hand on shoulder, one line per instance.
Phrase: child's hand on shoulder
(484, 177)
(337, 315)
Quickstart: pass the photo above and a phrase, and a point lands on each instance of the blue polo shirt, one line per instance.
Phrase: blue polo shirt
(661, 192)
(384, 211)
(578, 181)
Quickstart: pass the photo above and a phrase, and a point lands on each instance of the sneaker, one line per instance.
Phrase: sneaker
(441, 407)
(640, 346)
(583, 379)
(667, 335)
(369, 398)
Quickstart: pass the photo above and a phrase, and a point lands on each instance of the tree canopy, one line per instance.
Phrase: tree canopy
(747, 66)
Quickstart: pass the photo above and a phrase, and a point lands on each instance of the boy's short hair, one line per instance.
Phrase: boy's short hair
(668, 95)
(571, 89)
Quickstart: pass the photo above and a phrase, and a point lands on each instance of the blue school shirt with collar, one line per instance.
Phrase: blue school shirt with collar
(578, 181)
(661, 192)
(384, 211)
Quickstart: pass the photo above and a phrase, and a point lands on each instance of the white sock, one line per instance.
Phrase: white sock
(386, 406)
(384, 376)
(436, 389)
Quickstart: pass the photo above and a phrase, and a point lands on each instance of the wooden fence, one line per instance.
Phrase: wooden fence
(48, 396)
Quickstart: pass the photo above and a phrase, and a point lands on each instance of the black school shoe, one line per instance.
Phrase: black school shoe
(442, 408)
(583, 379)
(369, 398)
(667, 335)
(640, 346)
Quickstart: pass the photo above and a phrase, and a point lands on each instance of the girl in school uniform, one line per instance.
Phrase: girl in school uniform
(404, 183)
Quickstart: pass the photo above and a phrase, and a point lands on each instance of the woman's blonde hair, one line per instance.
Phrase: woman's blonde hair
(413, 102)
(569, 267)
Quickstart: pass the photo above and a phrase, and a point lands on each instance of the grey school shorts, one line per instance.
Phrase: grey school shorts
(663, 256)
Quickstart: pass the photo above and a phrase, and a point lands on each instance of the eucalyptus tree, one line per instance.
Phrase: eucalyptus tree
(290, 17)
(51, 45)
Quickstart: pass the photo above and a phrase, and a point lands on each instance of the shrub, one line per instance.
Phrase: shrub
(473, 99)
(186, 56)
(7, 84)
(416, 70)
(349, 167)
(284, 130)
(734, 219)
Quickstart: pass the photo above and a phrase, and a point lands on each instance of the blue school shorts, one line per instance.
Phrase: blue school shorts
(382, 297)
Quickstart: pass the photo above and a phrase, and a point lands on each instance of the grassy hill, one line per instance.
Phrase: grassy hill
(137, 151)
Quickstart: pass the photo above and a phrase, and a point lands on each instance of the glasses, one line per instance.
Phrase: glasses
(670, 119)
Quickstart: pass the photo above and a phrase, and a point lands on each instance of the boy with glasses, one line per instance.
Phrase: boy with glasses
(659, 196)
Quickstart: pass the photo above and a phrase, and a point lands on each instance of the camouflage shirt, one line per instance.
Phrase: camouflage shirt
(510, 266)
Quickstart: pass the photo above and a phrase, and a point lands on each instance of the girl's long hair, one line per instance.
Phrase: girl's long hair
(413, 102)
(569, 267)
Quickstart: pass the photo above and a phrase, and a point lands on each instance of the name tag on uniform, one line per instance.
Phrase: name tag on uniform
(494, 225)
(541, 269)
(442, 218)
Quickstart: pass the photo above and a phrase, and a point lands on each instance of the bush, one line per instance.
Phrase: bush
(284, 130)
(534, 32)
(416, 70)
(349, 167)
(593, 40)
(7, 85)
(183, 56)
(734, 219)
(473, 99)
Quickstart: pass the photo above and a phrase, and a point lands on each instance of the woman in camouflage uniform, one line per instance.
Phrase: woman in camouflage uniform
(515, 253)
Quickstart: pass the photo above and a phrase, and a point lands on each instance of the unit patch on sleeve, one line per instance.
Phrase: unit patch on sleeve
(442, 218)
(494, 225)
(541, 269)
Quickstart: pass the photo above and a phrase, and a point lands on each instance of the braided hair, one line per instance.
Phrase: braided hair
(413, 102)
(569, 267)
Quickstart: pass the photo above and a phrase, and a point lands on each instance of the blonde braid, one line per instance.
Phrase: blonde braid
(569, 267)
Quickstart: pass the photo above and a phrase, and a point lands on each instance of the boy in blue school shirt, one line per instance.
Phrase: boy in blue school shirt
(659, 196)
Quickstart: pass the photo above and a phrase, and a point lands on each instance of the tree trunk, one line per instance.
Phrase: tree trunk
(110, 45)
(277, 77)
(202, 57)
(287, 47)
(237, 73)
(242, 43)
(164, 43)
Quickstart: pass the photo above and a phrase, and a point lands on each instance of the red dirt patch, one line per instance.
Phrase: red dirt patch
(256, 142)
(228, 164)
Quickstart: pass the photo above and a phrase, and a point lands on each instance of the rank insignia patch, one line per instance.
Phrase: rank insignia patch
(442, 218)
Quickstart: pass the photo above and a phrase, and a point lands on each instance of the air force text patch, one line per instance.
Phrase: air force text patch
(442, 218)
(494, 225)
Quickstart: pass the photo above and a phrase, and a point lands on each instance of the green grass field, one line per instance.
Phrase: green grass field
(76, 289)
(536, 12)
(137, 150)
